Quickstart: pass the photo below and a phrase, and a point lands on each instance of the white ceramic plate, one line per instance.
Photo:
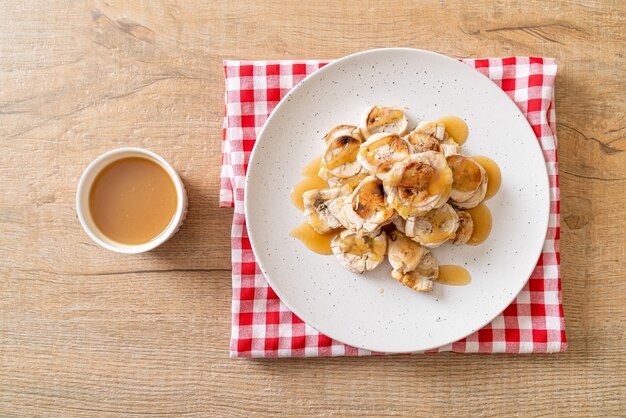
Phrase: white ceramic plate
(350, 307)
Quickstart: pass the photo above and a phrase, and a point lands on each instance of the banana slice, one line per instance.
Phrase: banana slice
(469, 181)
(348, 183)
(413, 265)
(343, 130)
(434, 228)
(399, 222)
(465, 229)
(419, 183)
(385, 119)
(365, 211)
(421, 279)
(342, 146)
(316, 209)
(423, 144)
(359, 253)
(404, 253)
(432, 136)
(381, 151)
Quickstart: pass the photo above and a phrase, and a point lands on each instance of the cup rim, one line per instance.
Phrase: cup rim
(83, 189)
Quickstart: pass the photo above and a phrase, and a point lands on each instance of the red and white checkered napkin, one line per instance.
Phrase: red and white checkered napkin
(263, 326)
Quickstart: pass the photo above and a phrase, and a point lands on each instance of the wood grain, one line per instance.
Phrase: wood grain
(85, 332)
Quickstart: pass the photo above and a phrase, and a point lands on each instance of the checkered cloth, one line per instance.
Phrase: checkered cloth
(263, 326)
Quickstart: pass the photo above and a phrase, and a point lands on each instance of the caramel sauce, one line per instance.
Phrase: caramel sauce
(456, 128)
(312, 168)
(132, 200)
(311, 181)
(442, 182)
(419, 177)
(316, 242)
(453, 275)
(482, 224)
(494, 176)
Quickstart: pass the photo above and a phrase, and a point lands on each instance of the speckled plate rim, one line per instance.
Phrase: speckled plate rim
(538, 248)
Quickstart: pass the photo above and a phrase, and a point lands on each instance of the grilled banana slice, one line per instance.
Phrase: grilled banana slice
(423, 144)
(404, 254)
(359, 253)
(348, 183)
(432, 136)
(434, 228)
(316, 209)
(465, 229)
(469, 181)
(381, 151)
(365, 211)
(342, 146)
(343, 130)
(418, 184)
(422, 278)
(413, 265)
(384, 119)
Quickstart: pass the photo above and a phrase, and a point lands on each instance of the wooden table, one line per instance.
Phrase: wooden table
(87, 332)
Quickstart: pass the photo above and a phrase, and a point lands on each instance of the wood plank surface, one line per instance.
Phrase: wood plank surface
(86, 332)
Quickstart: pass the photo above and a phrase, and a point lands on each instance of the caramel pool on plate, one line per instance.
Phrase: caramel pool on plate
(319, 243)
(453, 275)
(481, 215)
(494, 176)
(311, 181)
(456, 128)
(132, 200)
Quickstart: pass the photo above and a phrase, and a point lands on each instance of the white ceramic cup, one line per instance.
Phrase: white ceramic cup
(82, 201)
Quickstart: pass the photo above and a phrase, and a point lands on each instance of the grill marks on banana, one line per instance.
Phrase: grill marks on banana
(417, 175)
(369, 200)
(340, 151)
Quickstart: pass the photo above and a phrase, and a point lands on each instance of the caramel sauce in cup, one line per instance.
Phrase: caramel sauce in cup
(130, 200)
